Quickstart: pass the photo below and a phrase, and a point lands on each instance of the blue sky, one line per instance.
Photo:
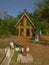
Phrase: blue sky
(13, 7)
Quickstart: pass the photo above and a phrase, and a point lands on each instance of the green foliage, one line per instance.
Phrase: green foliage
(7, 26)
(41, 16)
(14, 59)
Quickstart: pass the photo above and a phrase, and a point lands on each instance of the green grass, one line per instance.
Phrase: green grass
(14, 59)
(4, 45)
(40, 55)
(39, 52)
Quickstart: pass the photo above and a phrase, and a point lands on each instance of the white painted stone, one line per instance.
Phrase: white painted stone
(11, 44)
(37, 38)
(17, 49)
(40, 32)
(5, 50)
(8, 52)
(28, 49)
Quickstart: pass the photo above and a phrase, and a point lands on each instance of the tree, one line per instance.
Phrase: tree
(41, 14)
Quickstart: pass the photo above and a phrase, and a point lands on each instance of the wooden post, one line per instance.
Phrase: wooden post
(25, 48)
(19, 30)
(30, 32)
(25, 45)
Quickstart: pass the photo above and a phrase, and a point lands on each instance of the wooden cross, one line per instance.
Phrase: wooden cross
(24, 27)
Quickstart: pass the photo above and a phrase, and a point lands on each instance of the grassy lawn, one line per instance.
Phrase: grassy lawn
(39, 52)
(4, 45)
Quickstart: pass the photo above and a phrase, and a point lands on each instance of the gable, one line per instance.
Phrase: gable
(29, 20)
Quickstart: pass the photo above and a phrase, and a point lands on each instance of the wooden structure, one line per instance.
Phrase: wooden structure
(24, 26)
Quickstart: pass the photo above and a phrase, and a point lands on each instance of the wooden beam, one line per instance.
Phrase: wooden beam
(24, 26)
(30, 33)
(25, 45)
(25, 48)
(19, 30)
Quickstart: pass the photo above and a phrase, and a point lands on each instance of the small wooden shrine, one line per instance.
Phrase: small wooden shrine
(24, 27)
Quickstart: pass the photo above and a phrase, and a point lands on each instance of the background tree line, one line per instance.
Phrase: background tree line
(40, 18)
